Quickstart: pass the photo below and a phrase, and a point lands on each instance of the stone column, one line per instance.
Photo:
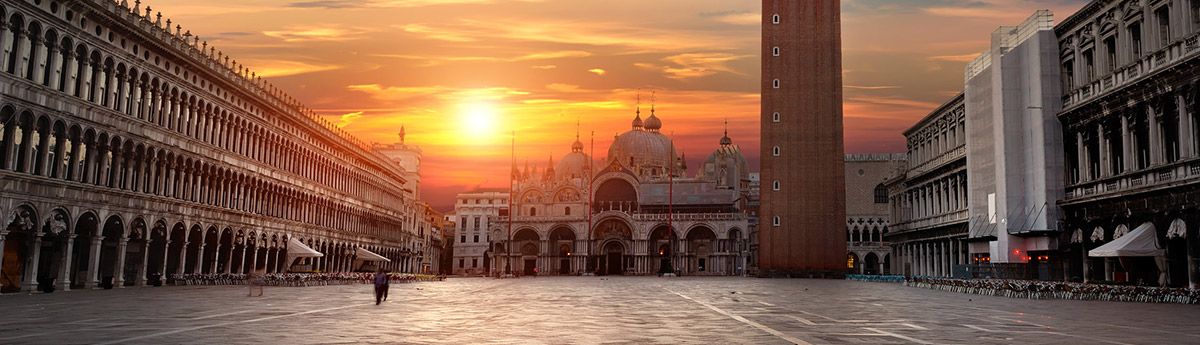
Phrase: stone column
(182, 264)
(64, 271)
(1082, 158)
(1108, 269)
(200, 258)
(1087, 274)
(1101, 141)
(119, 271)
(165, 258)
(94, 262)
(2, 235)
(140, 280)
(1156, 155)
(31, 272)
(1127, 146)
(1186, 144)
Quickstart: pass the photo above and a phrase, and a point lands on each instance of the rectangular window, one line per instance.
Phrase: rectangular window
(462, 239)
(461, 262)
(1089, 66)
(476, 223)
(1195, 11)
(1135, 40)
(463, 222)
(1163, 15)
(1110, 54)
(476, 238)
(474, 263)
(1068, 76)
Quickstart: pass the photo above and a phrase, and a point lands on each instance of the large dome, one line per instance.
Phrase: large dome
(642, 151)
(573, 165)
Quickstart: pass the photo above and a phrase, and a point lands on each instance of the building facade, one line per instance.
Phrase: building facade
(408, 157)
(801, 125)
(475, 210)
(1130, 72)
(129, 151)
(928, 199)
(644, 214)
(867, 218)
(1014, 150)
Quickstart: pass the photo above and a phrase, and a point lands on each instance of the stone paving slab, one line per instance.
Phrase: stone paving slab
(587, 310)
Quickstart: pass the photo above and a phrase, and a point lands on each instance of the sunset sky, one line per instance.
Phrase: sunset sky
(461, 75)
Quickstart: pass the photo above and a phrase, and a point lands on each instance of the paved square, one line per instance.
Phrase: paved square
(557, 310)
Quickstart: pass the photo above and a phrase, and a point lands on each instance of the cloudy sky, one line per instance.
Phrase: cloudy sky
(461, 75)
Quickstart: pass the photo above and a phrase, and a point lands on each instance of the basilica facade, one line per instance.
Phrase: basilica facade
(644, 211)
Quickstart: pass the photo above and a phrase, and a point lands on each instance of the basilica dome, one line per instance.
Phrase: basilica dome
(575, 164)
(643, 151)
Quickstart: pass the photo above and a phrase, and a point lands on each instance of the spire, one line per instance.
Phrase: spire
(401, 134)
(725, 141)
(637, 120)
(653, 124)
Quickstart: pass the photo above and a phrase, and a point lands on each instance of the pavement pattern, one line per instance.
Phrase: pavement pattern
(585, 310)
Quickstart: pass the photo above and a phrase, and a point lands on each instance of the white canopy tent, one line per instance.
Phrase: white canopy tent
(1139, 242)
(297, 249)
(362, 256)
(1142, 241)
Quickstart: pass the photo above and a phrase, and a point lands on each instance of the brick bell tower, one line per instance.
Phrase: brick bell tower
(802, 217)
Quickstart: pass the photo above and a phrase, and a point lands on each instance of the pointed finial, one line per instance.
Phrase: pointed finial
(726, 125)
(653, 98)
(168, 24)
(177, 28)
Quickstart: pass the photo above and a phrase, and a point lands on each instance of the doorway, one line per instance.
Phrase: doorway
(529, 266)
(614, 253)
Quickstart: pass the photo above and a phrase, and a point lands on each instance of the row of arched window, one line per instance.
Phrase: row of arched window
(46, 57)
(53, 148)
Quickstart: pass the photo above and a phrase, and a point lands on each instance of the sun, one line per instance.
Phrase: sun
(479, 120)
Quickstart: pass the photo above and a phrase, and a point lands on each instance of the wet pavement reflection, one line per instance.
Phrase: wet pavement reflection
(587, 310)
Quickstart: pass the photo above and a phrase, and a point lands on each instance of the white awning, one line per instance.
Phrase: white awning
(1139, 242)
(299, 250)
(362, 254)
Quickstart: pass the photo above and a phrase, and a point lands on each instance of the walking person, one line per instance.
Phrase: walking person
(381, 286)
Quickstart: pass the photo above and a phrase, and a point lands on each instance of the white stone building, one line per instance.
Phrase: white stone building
(474, 211)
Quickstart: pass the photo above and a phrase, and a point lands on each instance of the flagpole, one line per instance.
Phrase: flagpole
(671, 193)
(591, 170)
(511, 209)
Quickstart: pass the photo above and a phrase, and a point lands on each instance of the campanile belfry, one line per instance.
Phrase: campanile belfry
(803, 210)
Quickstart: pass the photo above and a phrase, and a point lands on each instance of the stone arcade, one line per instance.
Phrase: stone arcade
(129, 149)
